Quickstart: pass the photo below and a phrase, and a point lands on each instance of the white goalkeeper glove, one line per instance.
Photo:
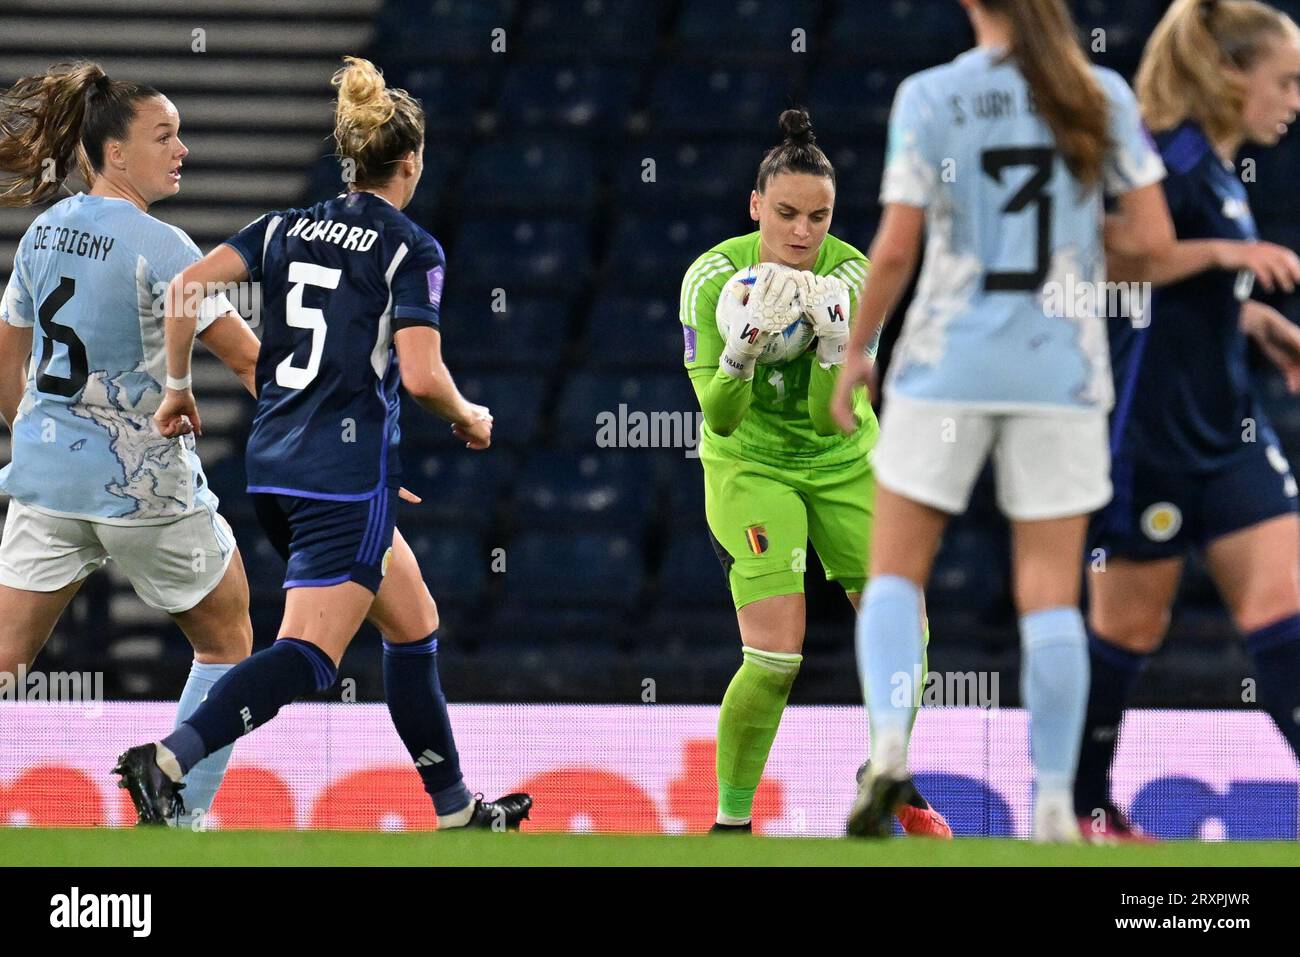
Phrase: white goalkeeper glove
(826, 304)
(745, 340)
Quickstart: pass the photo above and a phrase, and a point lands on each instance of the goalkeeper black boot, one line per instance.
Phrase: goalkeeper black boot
(503, 814)
(157, 798)
(746, 828)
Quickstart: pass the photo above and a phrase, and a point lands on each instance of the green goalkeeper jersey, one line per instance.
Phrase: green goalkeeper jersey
(787, 419)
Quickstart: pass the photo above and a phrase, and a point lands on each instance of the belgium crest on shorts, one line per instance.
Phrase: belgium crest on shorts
(756, 536)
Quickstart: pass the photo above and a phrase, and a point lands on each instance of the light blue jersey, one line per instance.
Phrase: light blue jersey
(1011, 238)
(89, 275)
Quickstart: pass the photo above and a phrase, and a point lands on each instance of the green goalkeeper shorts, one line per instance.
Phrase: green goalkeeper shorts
(762, 516)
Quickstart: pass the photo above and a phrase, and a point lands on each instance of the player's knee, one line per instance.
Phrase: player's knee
(416, 625)
(1264, 603)
(1139, 631)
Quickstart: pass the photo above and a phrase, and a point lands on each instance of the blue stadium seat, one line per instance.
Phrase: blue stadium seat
(971, 573)
(567, 96)
(858, 170)
(455, 564)
(653, 252)
(1275, 202)
(848, 102)
(326, 180)
(691, 578)
(418, 30)
(699, 100)
(645, 412)
(640, 331)
(604, 489)
(461, 488)
(687, 173)
(1125, 26)
(515, 401)
(528, 333)
(451, 95)
(520, 254)
(684, 479)
(914, 32)
(554, 570)
(746, 28)
(626, 29)
(534, 173)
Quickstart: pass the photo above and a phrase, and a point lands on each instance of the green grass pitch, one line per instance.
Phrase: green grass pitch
(115, 848)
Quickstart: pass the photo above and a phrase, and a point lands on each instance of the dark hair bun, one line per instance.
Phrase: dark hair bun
(797, 127)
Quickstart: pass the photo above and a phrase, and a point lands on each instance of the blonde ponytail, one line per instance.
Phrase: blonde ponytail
(1184, 70)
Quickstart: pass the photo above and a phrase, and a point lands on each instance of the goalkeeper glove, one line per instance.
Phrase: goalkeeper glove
(826, 304)
(745, 340)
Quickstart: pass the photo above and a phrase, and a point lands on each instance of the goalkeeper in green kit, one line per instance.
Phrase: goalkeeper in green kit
(764, 350)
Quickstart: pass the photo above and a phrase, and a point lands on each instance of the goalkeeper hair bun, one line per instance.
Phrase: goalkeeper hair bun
(797, 153)
(796, 125)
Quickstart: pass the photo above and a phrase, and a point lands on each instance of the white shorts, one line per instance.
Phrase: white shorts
(172, 567)
(1047, 464)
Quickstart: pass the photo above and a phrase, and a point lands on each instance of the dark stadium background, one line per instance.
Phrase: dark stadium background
(534, 184)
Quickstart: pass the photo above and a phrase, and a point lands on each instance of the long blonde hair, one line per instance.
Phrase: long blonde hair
(1184, 70)
(374, 125)
(1045, 47)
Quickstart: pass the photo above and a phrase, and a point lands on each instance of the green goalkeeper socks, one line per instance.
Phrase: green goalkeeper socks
(747, 723)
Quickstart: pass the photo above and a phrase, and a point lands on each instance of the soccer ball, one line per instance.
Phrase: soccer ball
(794, 340)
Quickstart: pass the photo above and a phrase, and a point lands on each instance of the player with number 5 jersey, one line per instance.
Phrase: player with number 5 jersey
(351, 290)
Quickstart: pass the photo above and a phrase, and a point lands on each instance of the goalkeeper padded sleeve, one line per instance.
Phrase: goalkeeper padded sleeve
(724, 399)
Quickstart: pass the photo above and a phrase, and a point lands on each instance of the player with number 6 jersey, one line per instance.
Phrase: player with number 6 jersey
(351, 291)
(82, 371)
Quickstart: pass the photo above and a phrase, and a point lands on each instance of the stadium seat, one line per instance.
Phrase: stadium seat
(567, 96)
(600, 489)
(688, 173)
(913, 32)
(971, 577)
(653, 252)
(744, 29)
(450, 94)
(585, 569)
(455, 564)
(648, 412)
(420, 31)
(515, 401)
(461, 488)
(520, 254)
(1125, 26)
(531, 173)
(526, 333)
(858, 170)
(698, 100)
(691, 578)
(628, 331)
(622, 29)
(846, 102)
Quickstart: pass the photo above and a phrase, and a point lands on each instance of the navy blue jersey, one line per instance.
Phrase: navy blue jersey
(1184, 391)
(339, 279)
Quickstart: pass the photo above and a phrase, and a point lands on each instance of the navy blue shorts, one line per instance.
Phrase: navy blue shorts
(1161, 512)
(326, 542)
